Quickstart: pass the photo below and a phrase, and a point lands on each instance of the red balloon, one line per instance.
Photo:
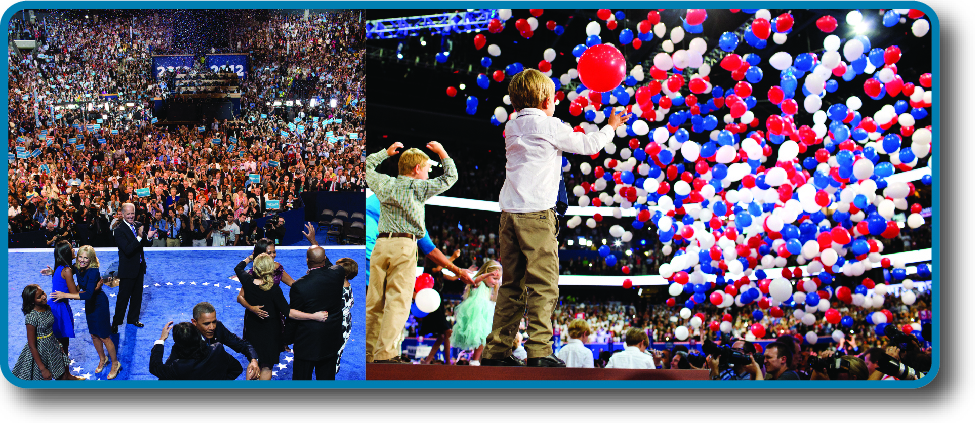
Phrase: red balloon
(790, 107)
(822, 198)
(674, 82)
(784, 22)
(826, 23)
(627, 284)
(653, 17)
(498, 76)
(716, 298)
(697, 86)
(696, 16)
(844, 294)
(714, 326)
(671, 302)
(895, 86)
(743, 89)
(422, 282)
(644, 27)
(833, 316)
(536, 12)
(544, 66)
(626, 270)
(637, 43)
(890, 316)
(451, 91)
(479, 41)
(776, 312)
(892, 230)
(907, 329)
(840, 235)
(761, 28)
(611, 25)
(731, 62)
(925, 80)
(891, 55)
(872, 87)
(758, 330)
(763, 303)
(495, 26)
(775, 96)
(601, 68)
(603, 14)
(551, 25)
(680, 277)
(522, 25)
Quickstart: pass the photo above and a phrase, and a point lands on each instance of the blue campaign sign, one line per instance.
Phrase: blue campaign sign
(115, 132)
(44, 168)
(273, 204)
(154, 120)
(273, 163)
(80, 147)
(72, 140)
(161, 64)
(254, 178)
(230, 148)
(232, 140)
(23, 156)
(102, 141)
(301, 128)
(215, 141)
(263, 116)
(201, 129)
(35, 153)
(353, 136)
(99, 120)
(236, 63)
(142, 192)
(49, 142)
(20, 149)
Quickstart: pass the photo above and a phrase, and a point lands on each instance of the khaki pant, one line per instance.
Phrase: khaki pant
(172, 242)
(159, 242)
(530, 276)
(392, 276)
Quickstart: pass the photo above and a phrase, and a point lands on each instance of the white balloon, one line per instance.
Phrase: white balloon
(831, 59)
(675, 289)
(780, 37)
(428, 300)
(685, 313)
(698, 45)
(780, 289)
(549, 55)
(593, 28)
(677, 34)
(855, 103)
(909, 297)
(915, 221)
(788, 151)
(504, 14)
(726, 327)
(852, 50)
(682, 188)
(681, 333)
(695, 322)
(920, 27)
(690, 150)
(838, 336)
(660, 30)
(725, 154)
(641, 128)
(780, 60)
(532, 23)
(831, 43)
(854, 17)
(811, 337)
(776, 176)
(616, 231)
(494, 50)
(667, 46)
(829, 256)
(680, 59)
(660, 135)
(501, 114)
(663, 61)
(812, 103)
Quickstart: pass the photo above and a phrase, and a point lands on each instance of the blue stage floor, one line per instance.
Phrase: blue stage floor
(177, 279)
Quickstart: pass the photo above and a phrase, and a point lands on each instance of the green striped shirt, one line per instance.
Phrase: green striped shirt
(402, 198)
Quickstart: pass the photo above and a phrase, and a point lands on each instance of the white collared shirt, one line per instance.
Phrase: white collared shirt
(534, 144)
(576, 354)
(631, 358)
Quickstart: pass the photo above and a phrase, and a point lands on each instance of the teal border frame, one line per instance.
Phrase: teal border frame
(935, 163)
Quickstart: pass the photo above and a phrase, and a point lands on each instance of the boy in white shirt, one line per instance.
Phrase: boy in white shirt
(634, 356)
(534, 142)
(575, 353)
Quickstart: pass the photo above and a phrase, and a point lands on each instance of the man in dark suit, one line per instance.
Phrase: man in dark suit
(191, 358)
(316, 344)
(131, 266)
(213, 332)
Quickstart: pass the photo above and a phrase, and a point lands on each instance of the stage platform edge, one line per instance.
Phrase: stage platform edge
(441, 372)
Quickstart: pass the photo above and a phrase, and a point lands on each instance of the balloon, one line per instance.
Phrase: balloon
(423, 281)
(681, 333)
(494, 50)
(416, 312)
(451, 91)
(479, 41)
(602, 67)
(758, 330)
(427, 300)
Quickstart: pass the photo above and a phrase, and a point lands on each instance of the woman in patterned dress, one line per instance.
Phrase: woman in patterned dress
(42, 357)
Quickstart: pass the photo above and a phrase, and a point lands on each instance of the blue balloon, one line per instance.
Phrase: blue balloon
(876, 57)
(923, 270)
(620, 15)
(907, 155)
(879, 329)
(926, 180)
(483, 81)
(859, 65)
(611, 260)
(416, 312)
(812, 299)
(861, 247)
(919, 113)
(700, 287)
(495, 121)
(603, 251)
(789, 84)
(899, 273)
(728, 42)
(891, 18)
(837, 112)
(689, 303)
(758, 315)
(578, 50)
(486, 61)
(593, 40)
(794, 246)
(665, 156)
(559, 29)
(442, 57)
(847, 321)
(719, 171)
(626, 36)
(693, 29)
(627, 177)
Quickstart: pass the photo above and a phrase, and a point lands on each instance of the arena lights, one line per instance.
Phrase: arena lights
(474, 20)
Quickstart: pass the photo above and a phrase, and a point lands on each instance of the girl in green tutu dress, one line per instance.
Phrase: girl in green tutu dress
(475, 315)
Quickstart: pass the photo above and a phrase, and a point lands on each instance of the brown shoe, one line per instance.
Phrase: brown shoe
(394, 360)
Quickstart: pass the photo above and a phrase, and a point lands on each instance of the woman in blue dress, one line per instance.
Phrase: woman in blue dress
(63, 281)
(96, 309)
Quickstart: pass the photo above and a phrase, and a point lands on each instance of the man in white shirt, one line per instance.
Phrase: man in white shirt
(575, 353)
(634, 356)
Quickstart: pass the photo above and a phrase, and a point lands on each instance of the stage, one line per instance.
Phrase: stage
(177, 279)
(442, 372)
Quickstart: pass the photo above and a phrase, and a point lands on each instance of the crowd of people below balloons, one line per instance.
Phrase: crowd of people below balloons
(74, 166)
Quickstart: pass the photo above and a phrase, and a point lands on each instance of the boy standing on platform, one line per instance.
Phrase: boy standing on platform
(532, 195)
(393, 261)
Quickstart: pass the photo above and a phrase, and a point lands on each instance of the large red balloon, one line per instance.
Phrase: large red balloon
(761, 28)
(826, 23)
(696, 16)
(716, 298)
(833, 316)
(479, 41)
(451, 91)
(758, 330)
(423, 281)
(601, 68)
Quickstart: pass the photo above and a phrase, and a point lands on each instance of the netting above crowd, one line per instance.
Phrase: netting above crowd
(83, 137)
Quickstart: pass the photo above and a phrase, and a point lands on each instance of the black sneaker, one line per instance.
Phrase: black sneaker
(550, 361)
(510, 360)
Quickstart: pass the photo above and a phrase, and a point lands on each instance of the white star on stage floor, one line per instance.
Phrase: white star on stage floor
(205, 283)
(111, 295)
(192, 283)
(145, 286)
(216, 285)
(228, 287)
(281, 366)
(274, 373)
(72, 361)
(181, 282)
(156, 284)
(77, 314)
(288, 358)
(77, 369)
(87, 376)
(169, 283)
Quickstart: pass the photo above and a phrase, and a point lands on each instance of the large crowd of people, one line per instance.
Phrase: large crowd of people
(83, 138)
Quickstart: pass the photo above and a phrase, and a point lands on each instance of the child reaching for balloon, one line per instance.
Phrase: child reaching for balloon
(532, 198)
(475, 315)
